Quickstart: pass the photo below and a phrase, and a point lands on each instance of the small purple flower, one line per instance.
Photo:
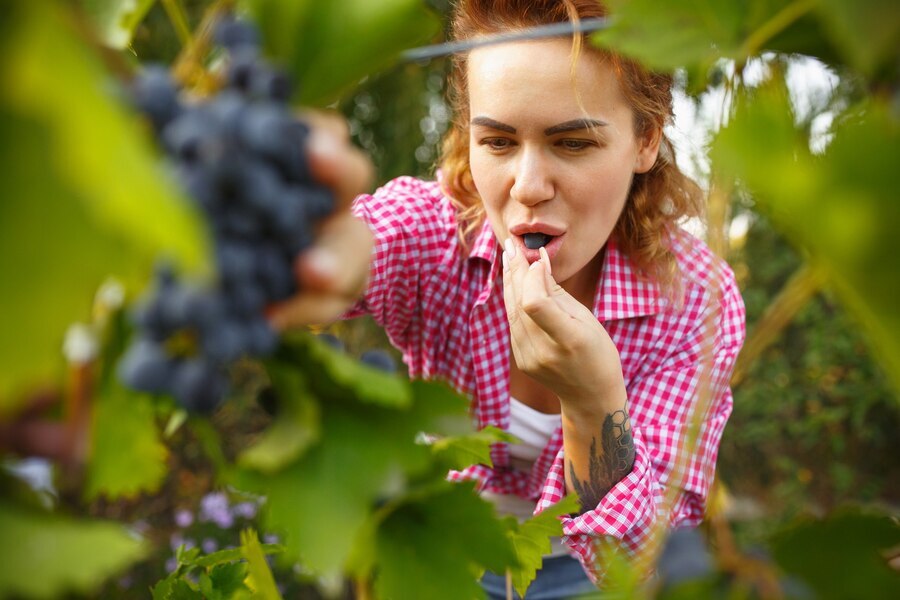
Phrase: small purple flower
(270, 538)
(171, 564)
(214, 507)
(176, 540)
(179, 540)
(184, 518)
(209, 545)
(246, 510)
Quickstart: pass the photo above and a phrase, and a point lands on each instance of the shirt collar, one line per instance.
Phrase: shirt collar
(622, 293)
(485, 246)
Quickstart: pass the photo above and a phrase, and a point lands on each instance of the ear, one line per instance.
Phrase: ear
(648, 150)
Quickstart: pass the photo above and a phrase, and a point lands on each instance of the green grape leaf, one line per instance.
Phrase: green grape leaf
(366, 453)
(531, 540)
(334, 374)
(675, 34)
(867, 31)
(127, 456)
(437, 546)
(175, 588)
(116, 20)
(371, 35)
(841, 556)
(841, 208)
(458, 452)
(229, 555)
(226, 580)
(44, 556)
(295, 427)
(259, 576)
(79, 175)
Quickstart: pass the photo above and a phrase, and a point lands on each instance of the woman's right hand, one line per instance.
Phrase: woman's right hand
(332, 274)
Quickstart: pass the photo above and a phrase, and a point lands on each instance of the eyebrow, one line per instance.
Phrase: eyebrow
(489, 122)
(573, 125)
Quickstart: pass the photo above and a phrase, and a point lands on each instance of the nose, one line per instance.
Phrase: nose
(533, 181)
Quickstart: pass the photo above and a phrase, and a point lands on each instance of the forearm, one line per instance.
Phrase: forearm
(598, 446)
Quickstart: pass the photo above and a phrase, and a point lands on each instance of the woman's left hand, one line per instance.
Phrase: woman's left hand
(557, 340)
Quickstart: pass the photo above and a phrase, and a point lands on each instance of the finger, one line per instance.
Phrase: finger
(339, 262)
(342, 167)
(306, 309)
(541, 306)
(565, 300)
(336, 163)
(514, 266)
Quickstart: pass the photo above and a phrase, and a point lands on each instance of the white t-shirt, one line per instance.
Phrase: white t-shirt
(534, 429)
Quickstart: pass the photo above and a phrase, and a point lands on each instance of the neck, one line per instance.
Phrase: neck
(583, 285)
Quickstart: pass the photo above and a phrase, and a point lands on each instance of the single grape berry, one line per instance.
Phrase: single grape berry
(156, 95)
(533, 241)
(332, 340)
(198, 385)
(145, 366)
(236, 35)
(379, 359)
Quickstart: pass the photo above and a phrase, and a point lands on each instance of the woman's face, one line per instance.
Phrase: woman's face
(551, 154)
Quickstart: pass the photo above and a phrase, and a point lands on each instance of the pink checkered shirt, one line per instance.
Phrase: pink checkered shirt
(446, 314)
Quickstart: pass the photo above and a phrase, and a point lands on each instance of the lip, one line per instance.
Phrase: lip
(523, 228)
(552, 247)
(532, 256)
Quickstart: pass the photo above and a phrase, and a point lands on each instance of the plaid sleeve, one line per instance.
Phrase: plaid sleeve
(407, 225)
(696, 377)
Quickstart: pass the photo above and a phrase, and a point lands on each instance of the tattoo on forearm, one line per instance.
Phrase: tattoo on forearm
(608, 466)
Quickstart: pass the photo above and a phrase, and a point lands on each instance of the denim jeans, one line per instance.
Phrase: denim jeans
(560, 578)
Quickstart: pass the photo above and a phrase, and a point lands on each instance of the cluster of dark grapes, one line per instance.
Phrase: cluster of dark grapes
(240, 155)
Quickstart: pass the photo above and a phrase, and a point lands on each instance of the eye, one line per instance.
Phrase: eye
(575, 145)
(496, 144)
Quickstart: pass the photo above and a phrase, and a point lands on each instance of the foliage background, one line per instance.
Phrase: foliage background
(816, 412)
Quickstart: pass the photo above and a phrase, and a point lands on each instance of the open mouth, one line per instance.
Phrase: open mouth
(534, 241)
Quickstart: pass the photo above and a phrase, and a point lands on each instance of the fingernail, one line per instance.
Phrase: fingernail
(546, 259)
(510, 248)
(323, 144)
(505, 258)
(323, 262)
(534, 265)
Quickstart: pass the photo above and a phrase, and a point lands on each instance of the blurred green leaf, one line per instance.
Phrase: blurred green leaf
(867, 31)
(127, 456)
(295, 426)
(461, 451)
(842, 556)
(531, 540)
(366, 452)
(840, 207)
(175, 588)
(84, 196)
(230, 555)
(330, 46)
(116, 20)
(334, 374)
(675, 34)
(44, 556)
(437, 546)
(227, 580)
(259, 577)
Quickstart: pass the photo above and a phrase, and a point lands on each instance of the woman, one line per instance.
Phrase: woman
(545, 276)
